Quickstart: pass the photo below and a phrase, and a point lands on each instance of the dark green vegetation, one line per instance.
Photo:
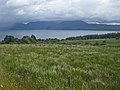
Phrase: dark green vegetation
(33, 40)
(99, 36)
(24, 40)
(61, 65)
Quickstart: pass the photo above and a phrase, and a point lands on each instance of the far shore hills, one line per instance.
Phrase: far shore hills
(62, 25)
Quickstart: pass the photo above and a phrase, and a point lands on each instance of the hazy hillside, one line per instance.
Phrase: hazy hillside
(64, 25)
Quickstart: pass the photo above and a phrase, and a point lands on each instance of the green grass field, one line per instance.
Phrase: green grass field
(61, 66)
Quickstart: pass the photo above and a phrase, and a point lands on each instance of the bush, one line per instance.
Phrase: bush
(28, 40)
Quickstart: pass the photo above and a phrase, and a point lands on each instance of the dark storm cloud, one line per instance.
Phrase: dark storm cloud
(12, 11)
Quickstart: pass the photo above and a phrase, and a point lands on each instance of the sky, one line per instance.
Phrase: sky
(22, 11)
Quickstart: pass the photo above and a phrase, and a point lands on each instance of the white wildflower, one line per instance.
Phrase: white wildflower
(1, 86)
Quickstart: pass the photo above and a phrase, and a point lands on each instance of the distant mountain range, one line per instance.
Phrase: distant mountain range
(63, 25)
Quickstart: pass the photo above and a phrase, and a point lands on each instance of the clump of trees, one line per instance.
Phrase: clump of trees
(25, 40)
(29, 40)
(10, 39)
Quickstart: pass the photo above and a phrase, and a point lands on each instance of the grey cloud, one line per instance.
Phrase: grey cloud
(12, 11)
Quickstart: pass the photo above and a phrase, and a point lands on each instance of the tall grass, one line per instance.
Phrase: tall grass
(59, 67)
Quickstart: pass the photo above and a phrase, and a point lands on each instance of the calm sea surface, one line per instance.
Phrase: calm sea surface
(60, 34)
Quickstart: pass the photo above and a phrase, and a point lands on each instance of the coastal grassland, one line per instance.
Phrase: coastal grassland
(60, 66)
(93, 42)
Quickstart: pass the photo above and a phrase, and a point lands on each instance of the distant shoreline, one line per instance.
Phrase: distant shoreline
(8, 39)
(64, 29)
(45, 34)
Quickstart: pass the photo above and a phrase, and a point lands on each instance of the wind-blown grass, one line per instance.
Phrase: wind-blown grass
(59, 67)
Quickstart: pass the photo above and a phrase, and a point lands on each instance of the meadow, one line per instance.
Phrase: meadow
(64, 65)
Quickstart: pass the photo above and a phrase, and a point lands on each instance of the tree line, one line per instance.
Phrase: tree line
(97, 36)
(33, 40)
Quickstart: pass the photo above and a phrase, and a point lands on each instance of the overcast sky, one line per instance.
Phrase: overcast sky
(13, 11)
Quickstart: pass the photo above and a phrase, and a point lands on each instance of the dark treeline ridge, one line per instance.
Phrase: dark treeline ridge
(96, 36)
(33, 40)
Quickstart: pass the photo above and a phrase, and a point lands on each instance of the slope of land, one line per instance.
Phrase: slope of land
(63, 25)
(61, 66)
